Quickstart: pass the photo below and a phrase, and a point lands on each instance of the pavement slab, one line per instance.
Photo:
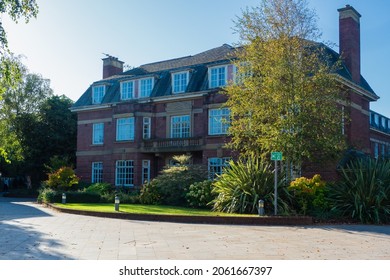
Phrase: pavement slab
(30, 231)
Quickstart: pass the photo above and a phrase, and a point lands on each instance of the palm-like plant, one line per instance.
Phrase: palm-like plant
(363, 193)
(242, 184)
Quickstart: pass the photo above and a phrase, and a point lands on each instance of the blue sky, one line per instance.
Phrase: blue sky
(66, 41)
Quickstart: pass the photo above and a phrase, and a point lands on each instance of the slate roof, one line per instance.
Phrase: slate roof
(197, 64)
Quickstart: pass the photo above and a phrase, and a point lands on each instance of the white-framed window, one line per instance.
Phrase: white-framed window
(98, 94)
(179, 82)
(217, 76)
(125, 129)
(216, 166)
(180, 126)
(124, 173)
(219, 121)
(145, 171)
(146, 127)
(98, 133)
(376, 150)
(127, 90)
(145, 87)
(97, 172)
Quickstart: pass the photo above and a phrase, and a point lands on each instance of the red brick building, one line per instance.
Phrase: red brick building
(131, 123)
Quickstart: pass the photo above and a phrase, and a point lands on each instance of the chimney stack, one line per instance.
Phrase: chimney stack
(112, 66)
(349, 40)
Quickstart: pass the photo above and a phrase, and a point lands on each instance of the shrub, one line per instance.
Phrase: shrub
(200, 194)
(99, 188)
(363, 193)
(171, 186)
(82, 197)
(150, 194)
(309, 194)
(63, 179)
(173, 182)
(129, 197)
(48, 195)
(241, 185)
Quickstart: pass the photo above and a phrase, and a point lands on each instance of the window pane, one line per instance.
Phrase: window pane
(98, 133)
(145, 171)
(97, 94)
(216, 166)
(146, 87)
(146, 128)
(127, 90)
(124, 173)
(125, 129)
(217, 77)
(97, 172)
(180, 127)
(180, 81)
(219, 121)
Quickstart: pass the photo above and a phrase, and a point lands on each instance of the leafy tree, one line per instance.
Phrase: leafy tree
(286, 95)
(35, 125)
(16, 9)
(62, 179)
(19, 109)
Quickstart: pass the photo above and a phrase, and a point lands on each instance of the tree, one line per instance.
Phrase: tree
(16, 9)
(286, 94)
(19, 109)
(35, 125)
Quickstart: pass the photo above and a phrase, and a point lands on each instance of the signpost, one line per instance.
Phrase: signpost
(276, 156)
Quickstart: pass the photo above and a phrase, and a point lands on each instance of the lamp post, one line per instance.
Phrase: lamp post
(63, 198)
(261, 207)
(117, 201)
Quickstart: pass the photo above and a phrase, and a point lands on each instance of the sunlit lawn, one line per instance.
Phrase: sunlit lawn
(143, 209)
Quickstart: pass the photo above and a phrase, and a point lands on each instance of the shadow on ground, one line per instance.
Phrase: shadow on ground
(358, 229)
(18, 239)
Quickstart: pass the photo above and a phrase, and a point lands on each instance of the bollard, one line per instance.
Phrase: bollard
(117, 203)
(261, 207)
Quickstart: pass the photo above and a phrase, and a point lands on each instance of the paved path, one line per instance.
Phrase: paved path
(31, 231)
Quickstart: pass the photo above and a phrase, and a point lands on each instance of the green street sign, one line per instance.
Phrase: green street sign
(276, 155)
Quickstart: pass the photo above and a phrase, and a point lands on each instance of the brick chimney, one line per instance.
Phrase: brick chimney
(112, 66)
(349, 39)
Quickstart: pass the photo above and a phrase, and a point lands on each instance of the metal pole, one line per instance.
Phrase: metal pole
(276, 189)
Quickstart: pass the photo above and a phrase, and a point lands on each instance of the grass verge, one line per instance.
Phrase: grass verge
(144, 209)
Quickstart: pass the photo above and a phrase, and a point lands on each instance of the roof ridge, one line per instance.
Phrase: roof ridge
(163, 61)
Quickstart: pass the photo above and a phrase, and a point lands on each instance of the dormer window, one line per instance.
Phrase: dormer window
(145, 87)
(98, 94)
(179, 82)
(127, 90)
(217, 76)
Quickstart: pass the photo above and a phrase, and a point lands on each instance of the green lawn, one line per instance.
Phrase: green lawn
(143, 209)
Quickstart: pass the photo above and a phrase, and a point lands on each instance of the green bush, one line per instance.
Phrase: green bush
(200, 195)
(173, 182)
(309, 195)
(48, 195)
(363, 193)
(100, 188)
(243, 184)
(150, 194)
(82, 197)
(62, 179)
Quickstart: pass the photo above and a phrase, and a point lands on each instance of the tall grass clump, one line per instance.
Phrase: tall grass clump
(363, 193)
(243, 184)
